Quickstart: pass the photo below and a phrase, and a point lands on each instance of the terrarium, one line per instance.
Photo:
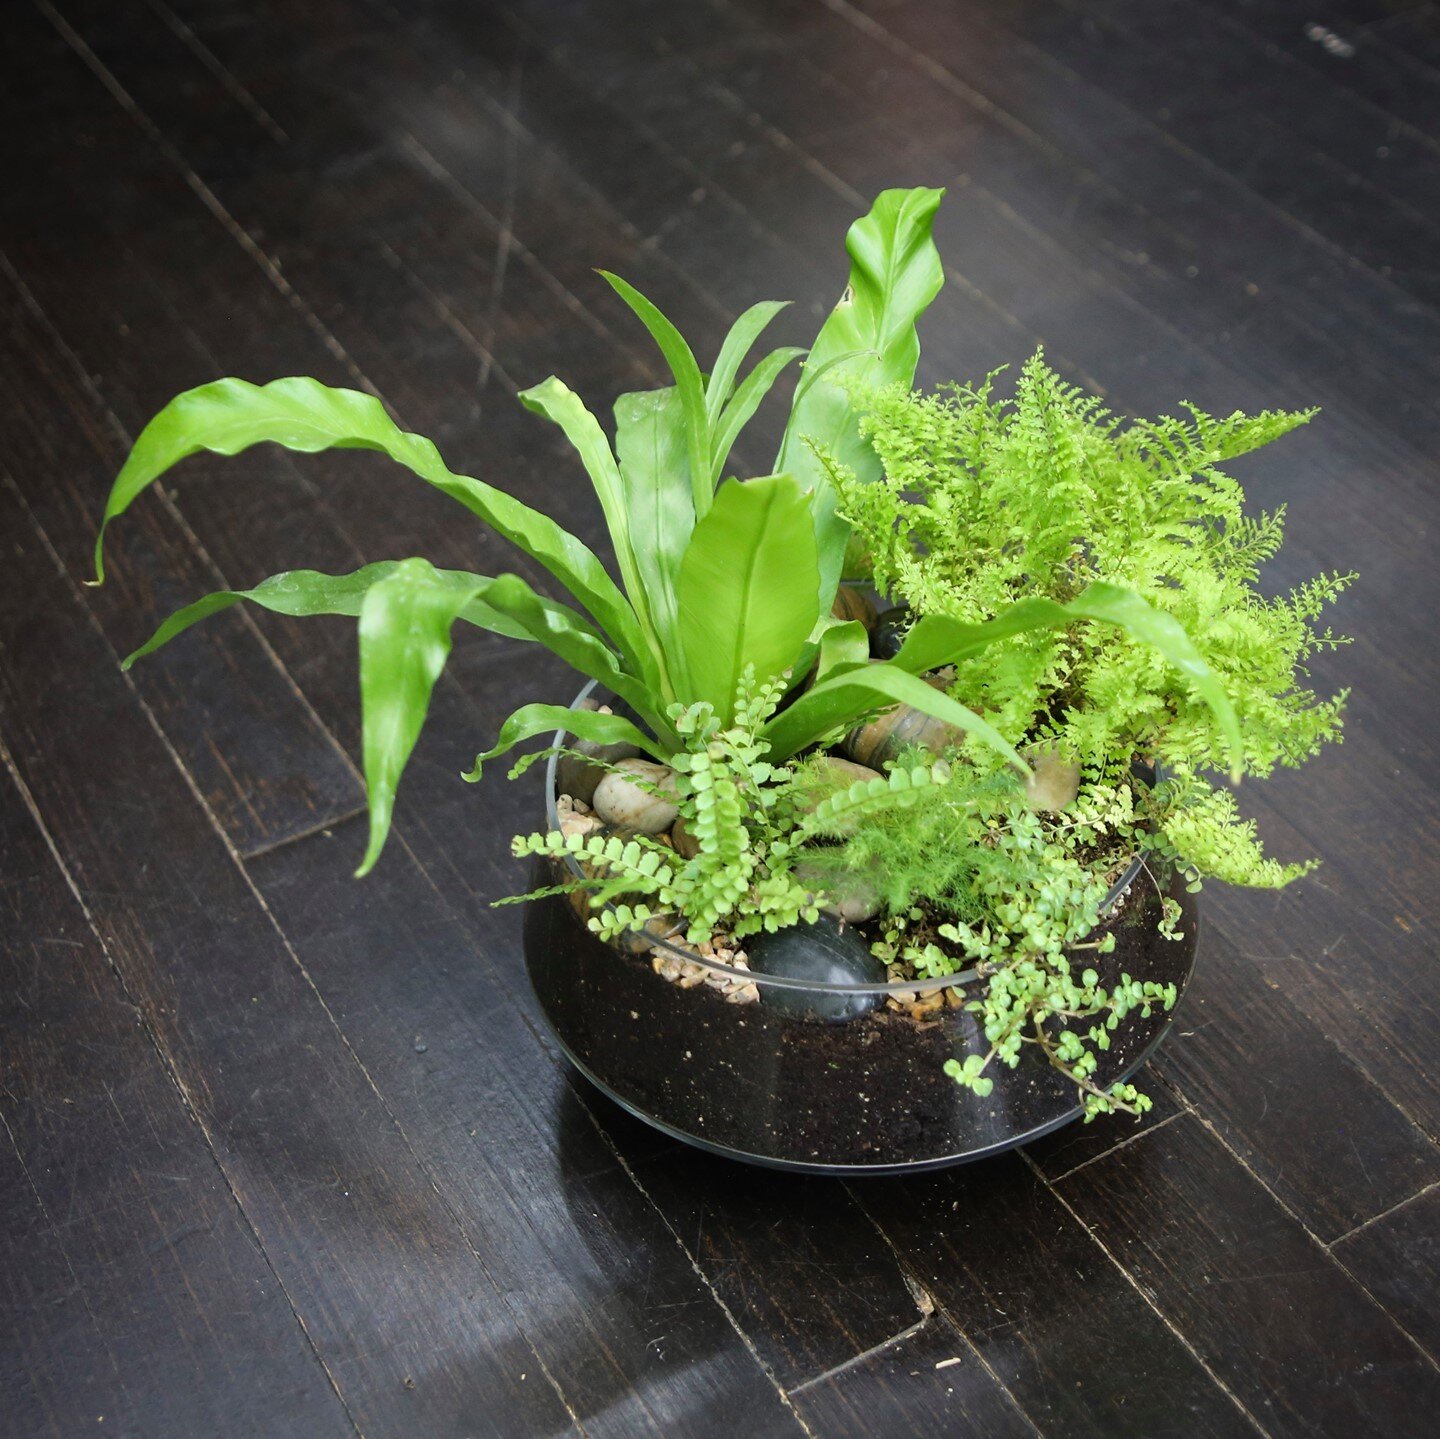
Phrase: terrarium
(873, 842)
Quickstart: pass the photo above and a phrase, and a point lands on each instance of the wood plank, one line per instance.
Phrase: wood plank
(1306, 1120)
(1047, 276)
(137, 337)
(1067, 1149)
(1235, 252)
(630, 1333)
(1397, 1258)
(1371, 168)
(1244, 1066)
(927, 1382)
(433, 803)
(375, 1264)
(1358, 966)
(133, 1296)
(1030, 1290)
(1377, 52)
(264, 764)
(806, 1276)
(1411, 40)
(1304, 1348)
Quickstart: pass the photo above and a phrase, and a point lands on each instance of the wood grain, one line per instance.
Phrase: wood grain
(631, 1335)
(346, 1183)
(331, 1187)
(1028, 1287)
(266, 767)
(1397, 1258)
(926, 1382)
(120, 1225)
(1300, 1345)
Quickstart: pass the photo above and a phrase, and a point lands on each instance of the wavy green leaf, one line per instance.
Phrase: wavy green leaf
(533, 719)
(935, 640)
(651, 444)
(309, 592)
(838, 701)
(228, 416)
(688, 380)
(405, 624)
(895, 272)
(748, 587)
(738, 343)
(557, 402)
(736, 415)
(842, 646)
(577, 644)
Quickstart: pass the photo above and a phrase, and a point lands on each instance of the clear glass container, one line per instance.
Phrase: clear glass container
(742, 1063)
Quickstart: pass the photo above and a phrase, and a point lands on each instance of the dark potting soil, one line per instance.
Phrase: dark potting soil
(777, 1086)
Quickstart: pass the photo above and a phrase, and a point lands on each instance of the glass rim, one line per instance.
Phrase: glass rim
(897, 988)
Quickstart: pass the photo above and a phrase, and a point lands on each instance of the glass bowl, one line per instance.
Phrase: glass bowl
(731, 1060)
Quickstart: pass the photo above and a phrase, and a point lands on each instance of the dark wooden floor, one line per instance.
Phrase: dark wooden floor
(285, 1154)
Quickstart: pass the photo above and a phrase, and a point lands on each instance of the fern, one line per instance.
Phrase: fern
(986, 500)
(750, 818)
(888, 793)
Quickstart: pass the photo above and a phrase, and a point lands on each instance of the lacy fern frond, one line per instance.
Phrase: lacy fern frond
(987, 500)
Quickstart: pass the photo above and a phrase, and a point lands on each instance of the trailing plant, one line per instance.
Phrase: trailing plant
(749, 819)
(717, 579)
(1047, 494)
(970, 875)
(988, 504)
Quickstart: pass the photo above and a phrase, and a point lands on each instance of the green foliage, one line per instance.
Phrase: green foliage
(405, 624)
(869, 340)
(1199, 830)
(1042, 498)
(713, 581)
(737, 807)
(747, 587)
(1094, 584)
(840, 810)
(308, 592)
(969, 856)
(970, 877)
(750, 818)
(1089, 586)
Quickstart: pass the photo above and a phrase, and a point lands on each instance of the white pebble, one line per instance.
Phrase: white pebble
(620, 801)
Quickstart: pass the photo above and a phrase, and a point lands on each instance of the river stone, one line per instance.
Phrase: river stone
(620, 801)
(686, 845)
(578, 777)
(853, 604)
(839, 775)
(885, 739)
(1053, 782)
(826, 952)
(891, 627)
(853, 895)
